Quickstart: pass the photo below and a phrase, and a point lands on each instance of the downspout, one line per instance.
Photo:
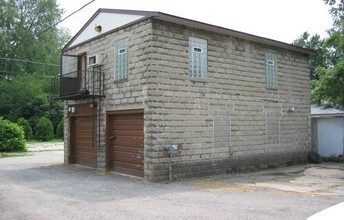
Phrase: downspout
(99, 101)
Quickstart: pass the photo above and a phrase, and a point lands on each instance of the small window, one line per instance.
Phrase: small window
(270, 63)
(197, 50)
(271, 69)
(121, 59)
(198, 58)
(121, 51)
(92, 60)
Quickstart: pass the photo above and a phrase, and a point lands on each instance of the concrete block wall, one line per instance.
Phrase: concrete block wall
(124, 94)
(231, 119)
(228, 121)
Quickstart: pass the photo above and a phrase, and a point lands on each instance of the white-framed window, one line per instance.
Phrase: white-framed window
(198, 58)
(121, 59)
(271, 69)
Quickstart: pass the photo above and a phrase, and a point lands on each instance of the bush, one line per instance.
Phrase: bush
(60, 129)
(27, 128)
(11, 136)
(44, 129)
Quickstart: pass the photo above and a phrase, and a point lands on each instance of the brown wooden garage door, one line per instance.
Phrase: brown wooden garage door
(83, 149)
(125, 143)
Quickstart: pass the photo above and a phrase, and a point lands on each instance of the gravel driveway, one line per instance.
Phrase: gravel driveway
(42, 187)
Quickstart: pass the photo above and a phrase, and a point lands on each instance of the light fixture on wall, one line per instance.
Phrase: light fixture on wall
(291, 109)
(98, 28)
(71, 109)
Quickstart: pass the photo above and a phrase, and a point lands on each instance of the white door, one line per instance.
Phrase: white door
(330, 137)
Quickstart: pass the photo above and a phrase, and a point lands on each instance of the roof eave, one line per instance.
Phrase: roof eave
(147, 15)
(190, 23)
(242, 35)
(327, 115)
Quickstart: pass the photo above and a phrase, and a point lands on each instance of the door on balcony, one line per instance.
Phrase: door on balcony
(82, 62)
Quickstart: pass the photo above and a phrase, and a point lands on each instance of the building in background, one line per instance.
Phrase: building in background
(328, 131)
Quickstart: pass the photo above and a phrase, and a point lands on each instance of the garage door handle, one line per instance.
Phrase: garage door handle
(112, 137)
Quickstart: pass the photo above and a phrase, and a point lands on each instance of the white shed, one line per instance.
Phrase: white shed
(327, 131)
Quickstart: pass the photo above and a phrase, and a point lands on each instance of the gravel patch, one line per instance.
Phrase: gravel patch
(43, 187)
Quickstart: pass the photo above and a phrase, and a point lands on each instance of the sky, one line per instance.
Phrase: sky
(281, 20)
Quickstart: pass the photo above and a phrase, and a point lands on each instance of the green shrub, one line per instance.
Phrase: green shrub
(44, 129)
(59, 130)
(11, 136)
(27, 128)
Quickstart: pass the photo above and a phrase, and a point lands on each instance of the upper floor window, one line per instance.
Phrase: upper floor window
(271, 69)
(121, 59)
(198, 58)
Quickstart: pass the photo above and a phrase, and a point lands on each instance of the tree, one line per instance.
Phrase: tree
(327, 66)
(27, 96)
(315, 43)
(329, 89)
(28, 34)
(30, 45)
(44, 130)
(26, 127)
(11, 136)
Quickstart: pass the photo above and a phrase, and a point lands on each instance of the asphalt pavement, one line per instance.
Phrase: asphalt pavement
(41, 186)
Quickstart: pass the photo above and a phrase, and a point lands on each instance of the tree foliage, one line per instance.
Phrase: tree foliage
(44, 130)
(327, 65)
(315, 43)
(27, 96)
(30, 45)
(26, 127)
(28, 34)
(11, 136)
(60, 130)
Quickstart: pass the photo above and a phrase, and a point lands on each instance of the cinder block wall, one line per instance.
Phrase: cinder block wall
(119, 95)
(230, 120)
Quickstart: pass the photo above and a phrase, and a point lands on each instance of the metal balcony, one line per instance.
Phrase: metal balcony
(71, 86)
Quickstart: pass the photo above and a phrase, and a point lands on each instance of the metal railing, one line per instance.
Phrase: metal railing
(73, 86)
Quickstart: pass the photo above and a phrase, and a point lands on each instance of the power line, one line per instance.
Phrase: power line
(64, 18)
(28, 61)
(48, 64)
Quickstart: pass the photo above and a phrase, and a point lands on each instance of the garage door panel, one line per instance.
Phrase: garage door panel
(127, 133)
(134, 171)
(129, 149)
(128, 127)
(127, 144)
(87, 154)
(86, 161)
(128, 116)
(127, 121)
(127, 157)
(130, 141)
(84, 150)
(85, 141)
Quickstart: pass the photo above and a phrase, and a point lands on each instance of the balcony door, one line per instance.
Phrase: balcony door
(82, 62)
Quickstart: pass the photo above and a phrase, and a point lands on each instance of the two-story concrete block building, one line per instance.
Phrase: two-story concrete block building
(136, 83)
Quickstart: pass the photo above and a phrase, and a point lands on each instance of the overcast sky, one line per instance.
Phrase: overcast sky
(282, 20)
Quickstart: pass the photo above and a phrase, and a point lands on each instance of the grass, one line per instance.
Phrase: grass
(37, 141)
(14, 154)
(25, 152)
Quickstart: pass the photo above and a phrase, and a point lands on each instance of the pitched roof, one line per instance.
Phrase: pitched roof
(187, 22)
